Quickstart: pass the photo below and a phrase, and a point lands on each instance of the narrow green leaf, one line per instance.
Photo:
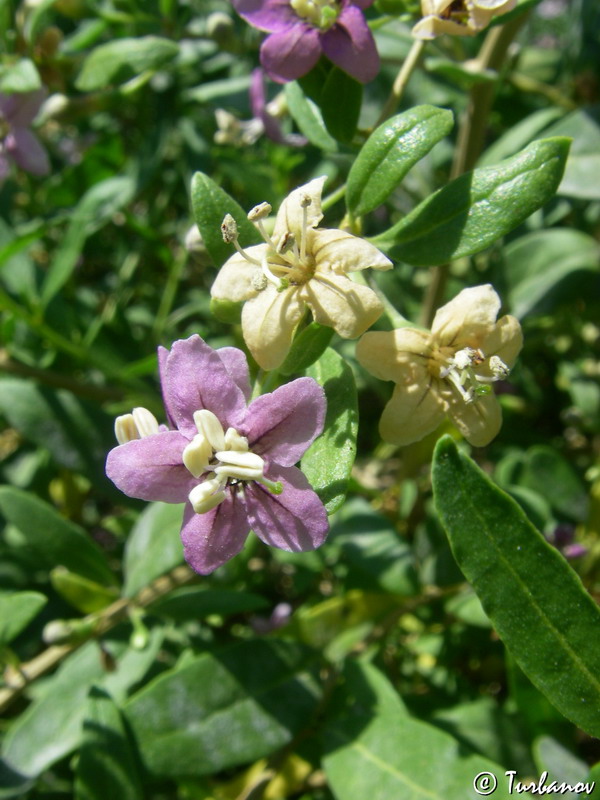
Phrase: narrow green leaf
(106, 766)
(545, 471)
(154, 546)
(391, 150)
(124, 58)
(84, 595)
(223, 709)
(306, 348)
(376, 750)
(210, 204)
(197, 602)
(534, 599)
(94, 210)
(17, 609)
(471, 212)
(328, 461)
(21, 76)
(341, 99)
(54, 539)
(308, 118)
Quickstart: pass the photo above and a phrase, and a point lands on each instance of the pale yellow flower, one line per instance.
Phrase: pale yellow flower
(298, 266)
(458, 17)
(446, 371)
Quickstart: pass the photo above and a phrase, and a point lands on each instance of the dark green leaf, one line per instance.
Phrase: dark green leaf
(223, 709)
(376, 750)
(547, 472)
(17, 609)
(472, 211)
(308, 118)
(53, 539)
(210, 204)
(124, 58)
(341, 100)
(107, 767)
(534, 599)
(391, 150)
(196, 602)
(328, 461)
(306, 348)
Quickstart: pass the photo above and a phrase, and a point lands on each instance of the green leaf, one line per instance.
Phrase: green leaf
(124, 58)
(306, 348)
(19, 77)
(375, 749)
(154, 546)
(107, 766)
(84, 595)
(223, 709)
(391, 150)
(197, 602)
(537, 262)
(53, 539)
(95, 209)
(17, 609)
(341, 99)
(210, 204)
(559, 762)
(583, 163)
(328, 461)
(550, 631)
(545, 471)
(308, 118)
(471, 212)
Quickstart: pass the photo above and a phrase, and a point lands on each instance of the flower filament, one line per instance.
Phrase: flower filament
(460, 371)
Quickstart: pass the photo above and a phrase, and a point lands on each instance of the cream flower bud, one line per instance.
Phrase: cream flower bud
(197, 454)
(206, 495)
(208, 424)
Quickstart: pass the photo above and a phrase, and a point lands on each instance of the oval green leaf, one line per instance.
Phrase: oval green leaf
(17, 609)
(535, 600)
(308, 118)
(391, 150)
(471, 212)
(124, 58)
(328, 461)
(307, 347)
(341, 100)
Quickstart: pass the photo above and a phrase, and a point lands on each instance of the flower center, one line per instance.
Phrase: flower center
(460, 371)
(456, 10)
(286, 262)
(320, 14)
(224, 459)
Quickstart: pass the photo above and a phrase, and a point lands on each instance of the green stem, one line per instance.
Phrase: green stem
(168, 296)
(332, 198)
(406, 70)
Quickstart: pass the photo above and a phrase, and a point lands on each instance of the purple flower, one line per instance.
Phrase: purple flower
(231, 463)
(17, 142)
(262, 111)
(303, 29)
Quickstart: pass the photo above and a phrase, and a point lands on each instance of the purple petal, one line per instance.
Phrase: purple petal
(236, 364)
(293, 520)
(291, 53)
(360, 3)
(270, 123)
(22, 109)
(267, 15)
(27, 152)
(211, 539)
(350, 45)
(283, 424)
(151, 468)
(163, 354)
(196, 378)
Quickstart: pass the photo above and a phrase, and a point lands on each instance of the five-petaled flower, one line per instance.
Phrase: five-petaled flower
(300, 30)
(458, 17)
(299, 265)
(17, 142)
(231, 463)
(448, 371)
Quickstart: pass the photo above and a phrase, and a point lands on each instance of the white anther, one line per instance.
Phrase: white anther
(464, 358)
(498, 368)
(208, 424)
(229, 229)
(259, 281)
(242, 466)
(286, 243)
(197, 455)
(259, 212)
(233, 441)
(305, 201)
(206, 495)
(126, 429)
(145, 422)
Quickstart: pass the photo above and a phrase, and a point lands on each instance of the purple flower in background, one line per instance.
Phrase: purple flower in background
(303, 29)
(17, 142)
(231, 463)
(263, 112)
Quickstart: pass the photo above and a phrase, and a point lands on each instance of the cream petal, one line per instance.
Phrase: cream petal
(290, 214)
(432, 26)
(234, 280)
(268, 324)
(434, 6)
(505, 340)
(337, 301)
(342, 252)
(399, 355)
(411, 413)
(479, 422)
(494, 6)
(468, 318)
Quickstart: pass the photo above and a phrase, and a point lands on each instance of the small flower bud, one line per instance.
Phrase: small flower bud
(229, 229)
(261, 211)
